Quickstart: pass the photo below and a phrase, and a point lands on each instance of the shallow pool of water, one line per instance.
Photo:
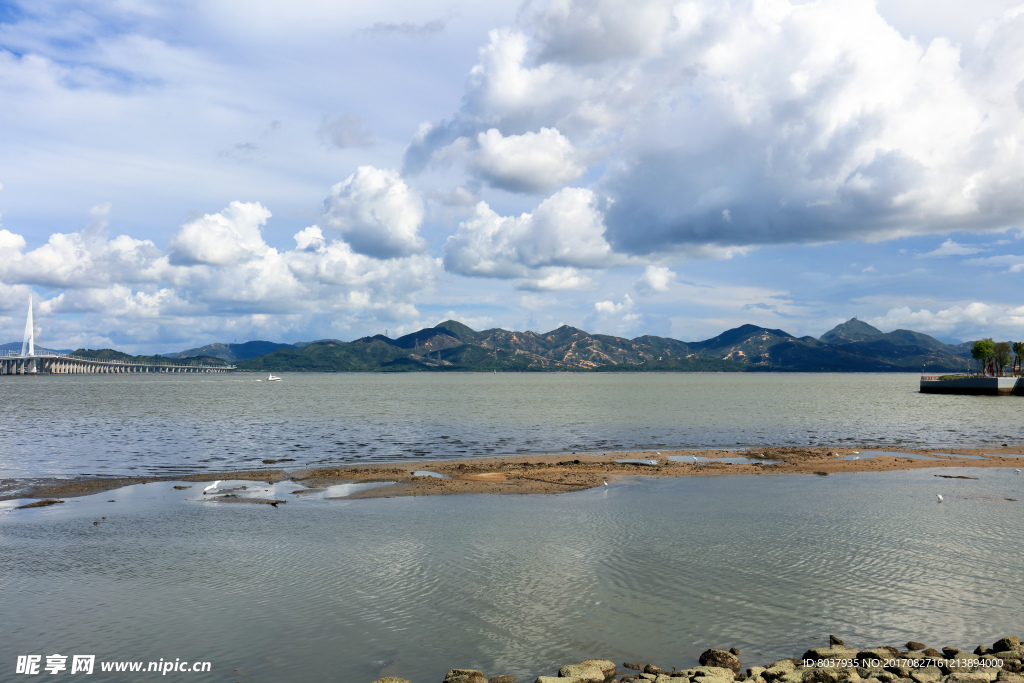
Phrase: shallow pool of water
(731, 460)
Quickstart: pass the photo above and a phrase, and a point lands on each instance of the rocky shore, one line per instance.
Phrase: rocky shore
(914, 663)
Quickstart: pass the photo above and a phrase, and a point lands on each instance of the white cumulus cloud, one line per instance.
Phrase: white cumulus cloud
(655, 280)
(564, 231)
(377, 213)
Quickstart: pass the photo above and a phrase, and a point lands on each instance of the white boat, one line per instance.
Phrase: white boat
(270, 378)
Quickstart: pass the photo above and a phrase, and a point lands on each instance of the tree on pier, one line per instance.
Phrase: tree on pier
(1001, 353)
(982, 350)
(1018, 348)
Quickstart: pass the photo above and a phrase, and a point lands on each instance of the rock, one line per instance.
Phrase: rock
(590, 674)
(830, 653)
(1007, 643)
(778, 669)
(967, 678)
(392, 679)
(756, 671)
(820, 676)
(981, 649)
(651, 669)
(914, 645)
(832, 641)
(501, 679)
(734, 651)
(927, 674)
(932, 652)
(1007, 677)
(720, 658)
(605, 665)
(716, 673)
(633, 666)
(556, 679)
(952, 652)
(465, 676)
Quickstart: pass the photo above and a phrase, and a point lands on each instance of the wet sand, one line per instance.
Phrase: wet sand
(547, 474)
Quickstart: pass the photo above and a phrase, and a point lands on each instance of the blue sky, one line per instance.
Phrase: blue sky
(180, 173)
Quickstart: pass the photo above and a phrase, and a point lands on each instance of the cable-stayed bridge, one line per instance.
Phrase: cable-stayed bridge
(28, 362)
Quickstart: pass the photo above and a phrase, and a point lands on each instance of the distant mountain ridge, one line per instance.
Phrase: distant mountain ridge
(853, 346)
(232, 352)
(16, 346)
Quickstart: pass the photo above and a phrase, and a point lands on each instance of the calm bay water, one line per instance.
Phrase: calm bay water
(150, 424)
(646, 570)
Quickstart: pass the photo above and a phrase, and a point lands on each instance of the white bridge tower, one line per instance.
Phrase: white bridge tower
(28, 344)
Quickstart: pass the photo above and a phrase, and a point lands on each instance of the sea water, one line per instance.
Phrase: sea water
(71, 425)
(644, 570)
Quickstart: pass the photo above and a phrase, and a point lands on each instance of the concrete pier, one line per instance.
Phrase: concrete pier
(975, 386)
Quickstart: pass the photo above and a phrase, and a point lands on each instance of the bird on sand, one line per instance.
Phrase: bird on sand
(212, 487)
(939, 496)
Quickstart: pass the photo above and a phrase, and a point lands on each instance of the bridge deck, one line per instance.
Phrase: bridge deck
(66, 364)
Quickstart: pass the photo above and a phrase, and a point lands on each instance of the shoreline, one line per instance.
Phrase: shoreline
(549, 474)
(915, 662)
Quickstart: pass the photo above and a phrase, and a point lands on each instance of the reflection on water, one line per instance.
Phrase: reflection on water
(132, 424)
(732, 460)
(429, 473)
(647, 570)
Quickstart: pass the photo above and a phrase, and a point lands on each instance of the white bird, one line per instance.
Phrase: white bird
(606, 483)
(1016, 471)
(694, 459)
(856, 452)
(212, 487)
(939, 496)
(856, 457)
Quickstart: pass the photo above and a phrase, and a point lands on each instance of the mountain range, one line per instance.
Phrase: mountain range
(853, 346)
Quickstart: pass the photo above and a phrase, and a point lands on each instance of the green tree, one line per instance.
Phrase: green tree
(1018, 348)
(983, 350)
(1002, 353)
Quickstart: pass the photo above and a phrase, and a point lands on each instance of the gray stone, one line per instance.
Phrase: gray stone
(392, 679)
(465, 676)
(756, 671)
(1007, 677)
(966, 678)
(720, 658)
(605, 665)
(591, 674)
(556, 679)
(778, 669)
(719, 673)
(914, 645)
(927, 674)
(501, 679)
(1007, 643)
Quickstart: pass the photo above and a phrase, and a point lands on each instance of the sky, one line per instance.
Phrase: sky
(176, 174)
